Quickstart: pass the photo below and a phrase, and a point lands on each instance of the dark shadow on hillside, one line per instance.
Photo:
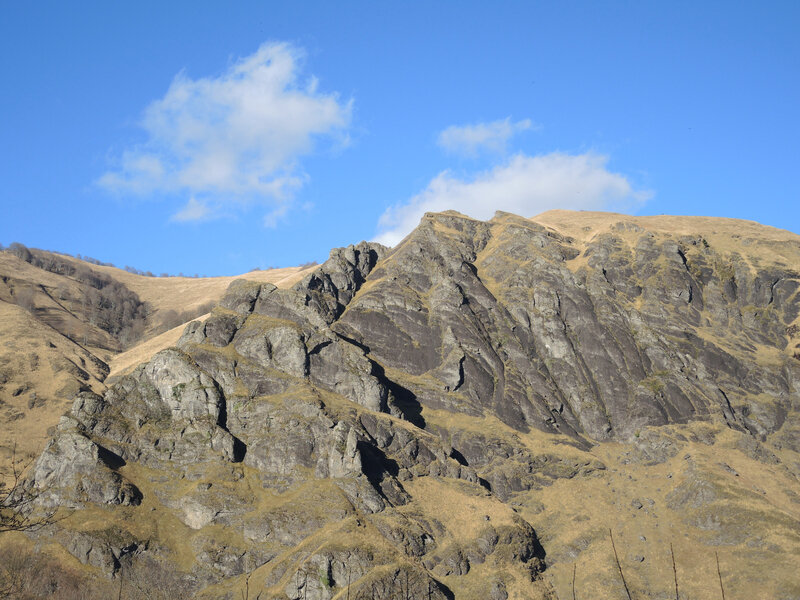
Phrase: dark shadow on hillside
(406, 402)
(403, 399)
(239, 447)
(111, 460)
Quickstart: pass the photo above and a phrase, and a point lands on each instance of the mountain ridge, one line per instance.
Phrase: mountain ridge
(52, 342)
(302, 439)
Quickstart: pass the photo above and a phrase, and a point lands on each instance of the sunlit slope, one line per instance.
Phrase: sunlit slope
(471, 414)
(52, 345)
(182, 294)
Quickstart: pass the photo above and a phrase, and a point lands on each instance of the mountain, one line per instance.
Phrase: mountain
(471, 414)
(67, 325)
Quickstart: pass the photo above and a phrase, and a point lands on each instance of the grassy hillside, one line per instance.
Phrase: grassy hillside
(703, 310)
(54, 341)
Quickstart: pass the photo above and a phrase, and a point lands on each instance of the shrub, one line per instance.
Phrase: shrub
(172, 318)
(106, 303)
(20, 251)
(24, 297)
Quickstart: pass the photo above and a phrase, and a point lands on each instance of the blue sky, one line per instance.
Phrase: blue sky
(213, 138)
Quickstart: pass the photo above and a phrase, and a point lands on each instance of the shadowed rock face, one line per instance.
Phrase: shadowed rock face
(307, 407)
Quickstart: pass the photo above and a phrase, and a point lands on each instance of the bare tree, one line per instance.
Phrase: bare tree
(674, 571)
(29, 575)
(24, 297)
(619, 566)
(246, 590)
(574, 568)
(149, 579)
(18, 513)
(18, 502)
(719, 574)
(20, 251)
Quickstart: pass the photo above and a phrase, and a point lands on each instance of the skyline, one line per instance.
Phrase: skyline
(215, 141)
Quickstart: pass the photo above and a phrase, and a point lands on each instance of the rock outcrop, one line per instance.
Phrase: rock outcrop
(324, 437)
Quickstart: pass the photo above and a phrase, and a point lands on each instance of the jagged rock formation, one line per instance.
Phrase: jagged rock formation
(323, 438)
(66, 326)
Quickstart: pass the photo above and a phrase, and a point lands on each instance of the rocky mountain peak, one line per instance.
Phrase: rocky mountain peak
(310, 430)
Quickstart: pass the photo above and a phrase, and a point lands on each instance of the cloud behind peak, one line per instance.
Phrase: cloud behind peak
(524, 185)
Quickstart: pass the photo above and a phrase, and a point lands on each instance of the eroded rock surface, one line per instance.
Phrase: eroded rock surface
(304, 436)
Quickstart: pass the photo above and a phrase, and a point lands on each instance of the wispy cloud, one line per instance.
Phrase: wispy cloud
(469, 140)
(525, 185)
(192, 211)
(232, 140)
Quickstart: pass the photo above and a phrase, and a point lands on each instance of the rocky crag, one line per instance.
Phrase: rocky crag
(465, 415)
(70, 325)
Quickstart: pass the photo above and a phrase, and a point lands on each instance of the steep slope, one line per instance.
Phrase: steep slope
(65, 323)
(176, 296)
(165, 295)
(466, 415)
(53, 343)
(600, 338)
(40, 371)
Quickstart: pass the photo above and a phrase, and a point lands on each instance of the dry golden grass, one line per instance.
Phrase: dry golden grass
(124, 362)
(42, 351)
(12, 266)
(755, 515)
(185, 293)
(41, 370)
(465, 510)
(571, 516)
(459, 506)
(579, 512)
(45, 291)
(584, 225)
(759, 245)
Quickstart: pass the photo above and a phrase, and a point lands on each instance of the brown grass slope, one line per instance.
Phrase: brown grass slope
(701, 486)
(710, 489)
(760, 247)
(50, 347)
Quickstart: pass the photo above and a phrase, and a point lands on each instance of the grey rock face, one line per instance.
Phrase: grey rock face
(331, 287)
(241, 295)
(73, 469)
(105, 552)
(187, 392)
(308, 405)
(603, 351)
(344, 368)
(274, 346)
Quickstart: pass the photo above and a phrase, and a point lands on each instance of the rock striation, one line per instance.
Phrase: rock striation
(321, 438)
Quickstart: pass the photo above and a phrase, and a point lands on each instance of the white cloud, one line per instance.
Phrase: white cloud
(233, 139)
(468, 140)
(526, 185)
(192, 211)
